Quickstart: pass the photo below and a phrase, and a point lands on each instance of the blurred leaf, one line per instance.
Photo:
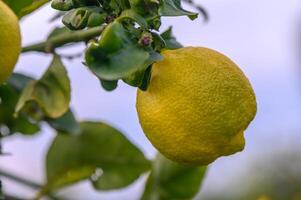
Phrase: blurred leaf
(169, 180)
(9, 95)
(149, 10)
(51, 93)
(99, 147)
(116, 55)
(19, 81)
(65, 124)
(174, 8)
(146, 79)
(25, 7)
(170, 41)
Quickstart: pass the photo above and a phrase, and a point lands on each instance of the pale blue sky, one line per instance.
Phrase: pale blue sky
(260, 36)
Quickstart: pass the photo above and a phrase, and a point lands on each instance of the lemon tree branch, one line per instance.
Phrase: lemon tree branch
(58, 41)
(23, 181)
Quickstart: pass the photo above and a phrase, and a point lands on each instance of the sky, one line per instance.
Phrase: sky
(260, 36)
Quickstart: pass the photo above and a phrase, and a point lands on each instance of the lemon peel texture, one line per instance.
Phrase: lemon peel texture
(197, 106)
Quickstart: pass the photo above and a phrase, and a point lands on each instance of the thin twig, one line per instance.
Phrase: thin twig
(19, 179)
(24, 181)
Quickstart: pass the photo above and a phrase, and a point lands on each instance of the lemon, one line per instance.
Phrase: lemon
(10, 41)
(197, 106)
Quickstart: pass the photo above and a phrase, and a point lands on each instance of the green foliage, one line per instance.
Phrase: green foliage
(80, 18)
(25, 7)
(23, 122)
(109, 57)
(9, 95)
(129, 45)
(98, 147)
(170, 180)
(50, 94)
(65, 124)
(170, 40)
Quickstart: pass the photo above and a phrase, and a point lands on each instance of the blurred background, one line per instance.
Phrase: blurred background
(262, 37)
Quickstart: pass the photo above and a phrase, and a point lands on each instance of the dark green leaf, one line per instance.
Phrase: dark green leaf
(96, 19)
(117, 55)
(9, 95)
(65, 124)
(109, 85)
(145, 7)
(51, 93)
(146, 79)
(149, 10)
(174, 8)
(98, 148)
(116, 6)
(134, 79)
(170, 40)
(169, 180)
(141, 78)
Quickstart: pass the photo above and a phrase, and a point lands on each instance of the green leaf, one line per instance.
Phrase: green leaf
(25, 7)
(117, 55)
(170, 180)
(116, 6)
(170, 41)
(96, 19)
(51, 93)
(65, 124)
(131, 14)
(109, 85)
(149, 10)
(9, 95)
(174, 8)
(99, 147)
(141, 78)
(19, 81)
(78, 18)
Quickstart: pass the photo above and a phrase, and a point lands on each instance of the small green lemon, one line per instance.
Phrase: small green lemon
(197, 106)
(10, 41)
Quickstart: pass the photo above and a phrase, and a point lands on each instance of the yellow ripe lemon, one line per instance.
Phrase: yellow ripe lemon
(10, 41)
(197, 106)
